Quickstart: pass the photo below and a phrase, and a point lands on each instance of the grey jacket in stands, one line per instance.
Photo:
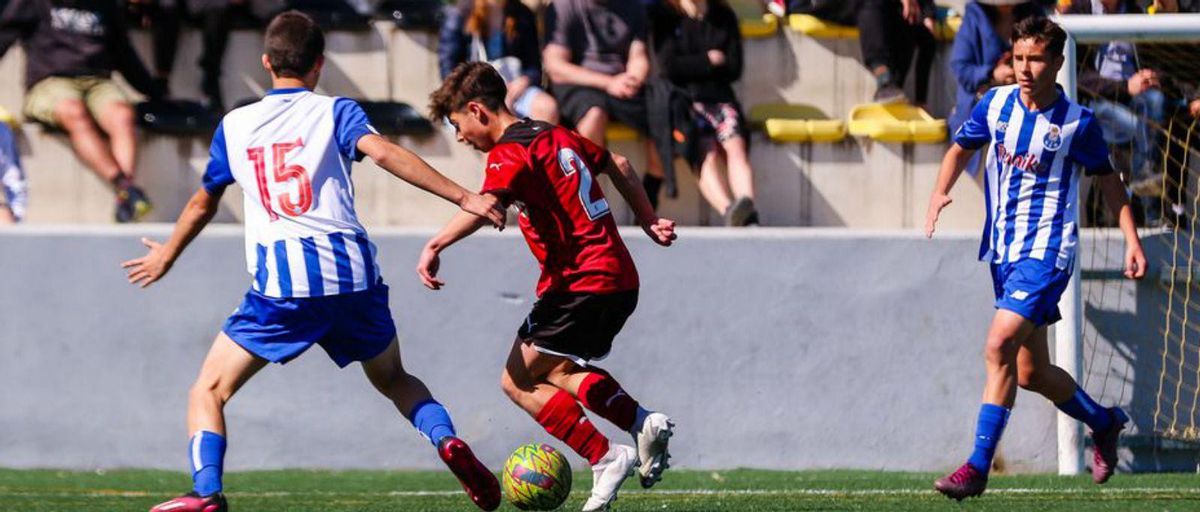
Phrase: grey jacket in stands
(73, 38)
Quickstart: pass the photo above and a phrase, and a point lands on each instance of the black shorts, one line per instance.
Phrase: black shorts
(577, 326)
(575, 100)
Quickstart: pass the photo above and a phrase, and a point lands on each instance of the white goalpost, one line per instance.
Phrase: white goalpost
(1068, 333)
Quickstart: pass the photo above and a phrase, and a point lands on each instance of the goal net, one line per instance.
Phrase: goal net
(1138, 344)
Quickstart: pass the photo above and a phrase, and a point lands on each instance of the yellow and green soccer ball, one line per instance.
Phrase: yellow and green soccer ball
(537, 477)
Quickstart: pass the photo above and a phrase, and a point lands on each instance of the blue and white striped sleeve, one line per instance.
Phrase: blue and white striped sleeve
(974, 132)
(350, 124)
(218, 175)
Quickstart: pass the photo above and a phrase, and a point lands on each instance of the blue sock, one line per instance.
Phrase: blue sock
(988, 429)
(207, 453)
(1081, 407)
(432, 420)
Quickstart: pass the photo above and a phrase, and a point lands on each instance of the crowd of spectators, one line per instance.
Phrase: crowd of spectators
(587, 64)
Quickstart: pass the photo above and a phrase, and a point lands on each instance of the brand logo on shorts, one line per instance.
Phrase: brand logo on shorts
(495, 166)
(1019, 295)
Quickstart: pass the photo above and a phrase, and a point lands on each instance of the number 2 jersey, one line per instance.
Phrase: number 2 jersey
(549, 173)
(291, 153)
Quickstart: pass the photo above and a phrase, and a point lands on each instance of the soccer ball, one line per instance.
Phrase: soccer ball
(537, 477)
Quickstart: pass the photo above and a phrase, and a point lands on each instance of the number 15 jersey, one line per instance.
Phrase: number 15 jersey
(548, 172)
(291, 153)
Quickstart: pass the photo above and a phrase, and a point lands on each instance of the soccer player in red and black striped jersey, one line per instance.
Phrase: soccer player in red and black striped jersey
(588, 286)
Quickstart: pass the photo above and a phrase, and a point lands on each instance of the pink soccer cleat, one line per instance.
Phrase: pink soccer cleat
(192, 502)
(966, 482)
(1104, 447)
(481, 485)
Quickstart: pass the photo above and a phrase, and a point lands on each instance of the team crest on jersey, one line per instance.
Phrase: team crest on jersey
(1001, 128)
(1053, 139)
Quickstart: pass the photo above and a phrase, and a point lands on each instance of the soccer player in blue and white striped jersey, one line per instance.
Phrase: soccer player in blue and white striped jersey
(315, 279)
(1039, 143)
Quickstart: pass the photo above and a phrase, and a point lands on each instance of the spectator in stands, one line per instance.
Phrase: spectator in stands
(164, 18)
(598, 62)
(504, 33)
(71, 49)
(1168, 6)
(12, 179)
(698, 46)
(1128, 101)
(889, 32)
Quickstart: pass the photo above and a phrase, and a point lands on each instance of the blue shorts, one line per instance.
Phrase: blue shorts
(350, 327)
(1030, 288)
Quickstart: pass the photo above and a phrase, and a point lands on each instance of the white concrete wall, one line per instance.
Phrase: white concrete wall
(785, 349)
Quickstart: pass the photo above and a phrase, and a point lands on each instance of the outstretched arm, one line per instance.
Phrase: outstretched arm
(154, 265)
(406, 165)
(625, 178)
(1118, 202)
(461, 226)
(952, 167)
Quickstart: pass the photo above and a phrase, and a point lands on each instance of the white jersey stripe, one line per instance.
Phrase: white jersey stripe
(1004, 172)
(1053, 200)
(357, 267)
(1028, 181)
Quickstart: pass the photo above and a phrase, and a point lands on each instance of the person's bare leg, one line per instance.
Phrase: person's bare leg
(654, 164)
(737, 161)
(712, 183)
(413, 400)
(86, 139)
(544, 108)
(117, 120)
(386, 372)
(1036, 373)
(1005, 337)
(593, 125)
(226, 368)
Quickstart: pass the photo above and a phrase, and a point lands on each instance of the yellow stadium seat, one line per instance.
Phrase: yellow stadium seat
(618, 132)
(759, 28)
(946, 30)
(6, 117)
(785, 122)
(755, 24)
(896, 122)
(813, 26)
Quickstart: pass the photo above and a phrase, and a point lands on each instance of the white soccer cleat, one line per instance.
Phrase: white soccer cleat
(652, 447)
(608, 475)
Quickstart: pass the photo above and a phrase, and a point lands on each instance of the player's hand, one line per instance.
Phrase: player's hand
(1194, 108)
(662, 231)
(936, 204)
(488, 207)
(146, 270)
(1135, 262)
(427, 269)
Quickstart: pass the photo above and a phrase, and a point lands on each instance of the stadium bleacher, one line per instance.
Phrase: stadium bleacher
(853, 181)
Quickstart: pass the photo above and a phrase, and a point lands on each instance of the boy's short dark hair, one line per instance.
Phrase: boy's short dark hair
(470, 81)
(1042, 30)
(293, 44)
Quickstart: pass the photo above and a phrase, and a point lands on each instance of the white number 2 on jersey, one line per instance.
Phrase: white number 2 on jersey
(570, 163)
